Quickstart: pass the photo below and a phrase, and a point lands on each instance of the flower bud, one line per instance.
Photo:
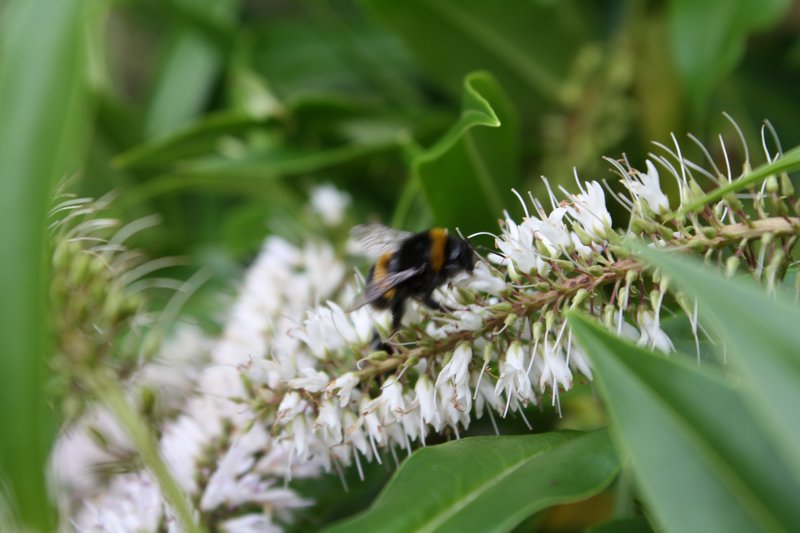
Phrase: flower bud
(772, 184)
(538, 329)
(733, 202)
(488, 352)
(510, 319)
(787, 189)
(731, 265)
(608, 315)
(579, 298)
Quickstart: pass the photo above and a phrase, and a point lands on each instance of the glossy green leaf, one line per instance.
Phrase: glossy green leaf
(529, 46)
(698, 453)
(468, 174)
(44, 111)
(761, 342)
(708, 38)
(489, 483)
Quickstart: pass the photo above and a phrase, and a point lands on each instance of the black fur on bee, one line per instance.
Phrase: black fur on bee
(409, 265)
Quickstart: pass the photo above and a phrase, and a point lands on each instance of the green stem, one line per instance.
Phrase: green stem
(108, 392)
(788, 162)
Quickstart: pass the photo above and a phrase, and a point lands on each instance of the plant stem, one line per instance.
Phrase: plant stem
(106, 389)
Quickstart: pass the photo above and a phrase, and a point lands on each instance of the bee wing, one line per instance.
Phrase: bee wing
(374, 291)
(373, 240)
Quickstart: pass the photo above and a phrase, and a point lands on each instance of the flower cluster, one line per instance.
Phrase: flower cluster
(294, 386)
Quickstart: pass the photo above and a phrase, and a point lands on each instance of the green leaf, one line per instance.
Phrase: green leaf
(698, 453)
(489, 483)
(468, 174)
(302, 60)
(189, 68)
(635, 524)
(529, 46)
(708, 38)
(761, 340)
(283, 161)
(243, 175)
(45, 108)
(199, 138)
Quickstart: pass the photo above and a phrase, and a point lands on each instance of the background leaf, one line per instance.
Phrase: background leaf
(529, 46)
(468, 174)
(708, 38)
(692, 441)
(45, 113)
(189, 66)
(489, 483)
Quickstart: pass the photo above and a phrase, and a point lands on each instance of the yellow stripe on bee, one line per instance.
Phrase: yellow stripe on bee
(438, 238)
(380, 273)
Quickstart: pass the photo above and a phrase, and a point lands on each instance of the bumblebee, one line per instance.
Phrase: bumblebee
(408, 265)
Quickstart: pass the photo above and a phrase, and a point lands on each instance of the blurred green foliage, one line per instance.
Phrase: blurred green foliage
(45, 110)
(219, 114)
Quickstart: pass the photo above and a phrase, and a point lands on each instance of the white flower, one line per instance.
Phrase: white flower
(551, 231)
(291, 405)
(426, 398)
(470, 318)
(312, 380)
(585, 252)
(319, 332)
(77, 453)
(553, 370)
(233, 481)
(372, 423)
(330, 421)
(456, 370)
(250, 523)
(514, 378)
(177, 366)
(393, 405)
(647, 188)
(517, 246)
(355, 434)
(486, 279)
(486, 397)
(579, 360)
(329, 203)
(356, 326)
(184, 440)
(300, 431)
(323, 270)
(589, 211)
(131, 503)
(455, 402)
(652, 335)
(345, 385)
